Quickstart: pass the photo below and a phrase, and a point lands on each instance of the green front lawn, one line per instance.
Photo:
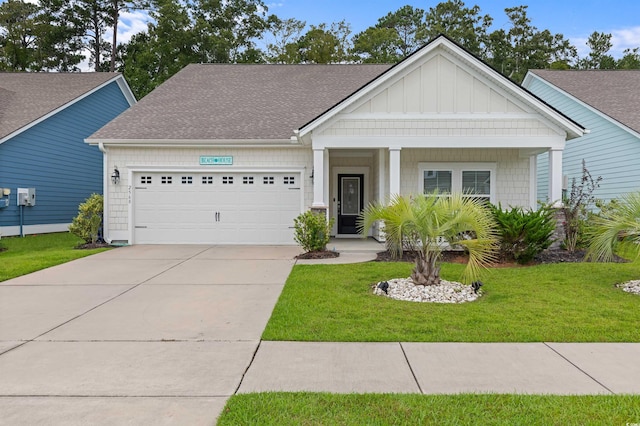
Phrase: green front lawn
(569, 302)
(465, 409)
(34, 252)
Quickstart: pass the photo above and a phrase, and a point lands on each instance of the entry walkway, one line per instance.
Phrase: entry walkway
(352, 250)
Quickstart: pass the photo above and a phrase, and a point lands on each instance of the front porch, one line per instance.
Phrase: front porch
(346, 180)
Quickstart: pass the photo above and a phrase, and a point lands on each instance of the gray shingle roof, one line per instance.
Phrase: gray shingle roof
(615, 93)
(26, 97)
(239, 101)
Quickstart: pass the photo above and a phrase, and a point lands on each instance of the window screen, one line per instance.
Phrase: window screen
(437, 180)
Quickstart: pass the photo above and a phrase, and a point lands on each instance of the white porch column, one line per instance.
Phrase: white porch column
(325, 184)
(318, 178)
(394, 171)
(382, 175)
(555, 177)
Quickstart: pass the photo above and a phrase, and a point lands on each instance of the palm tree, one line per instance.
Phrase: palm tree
(617, 227)
(422, 223)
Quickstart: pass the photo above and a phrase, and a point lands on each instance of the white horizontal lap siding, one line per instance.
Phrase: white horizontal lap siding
(215, 207)
(138, 158)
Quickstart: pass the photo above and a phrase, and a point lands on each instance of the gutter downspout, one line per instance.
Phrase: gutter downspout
(105, 192)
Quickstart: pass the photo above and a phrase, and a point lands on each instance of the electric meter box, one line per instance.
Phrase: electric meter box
(26, 197)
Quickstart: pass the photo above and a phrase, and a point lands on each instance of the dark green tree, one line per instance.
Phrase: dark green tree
(394, 37)
(225, 31)
(324, 44)
(60, 34)
(284, 49)
(96, 17)
(599, 57)
(524, 47)
(377, 46)
(18, 35)
(630, 59)
(152, 57)
(465, 25)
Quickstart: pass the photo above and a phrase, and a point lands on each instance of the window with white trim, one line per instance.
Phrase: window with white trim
(472, 179)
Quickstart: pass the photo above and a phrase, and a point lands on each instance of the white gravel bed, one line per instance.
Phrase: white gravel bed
(631, 287)
(446, 292)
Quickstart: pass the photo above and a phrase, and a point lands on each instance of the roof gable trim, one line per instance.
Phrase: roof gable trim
(531, 75)
(572, 128)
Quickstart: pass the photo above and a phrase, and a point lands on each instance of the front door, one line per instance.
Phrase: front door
(350, 202)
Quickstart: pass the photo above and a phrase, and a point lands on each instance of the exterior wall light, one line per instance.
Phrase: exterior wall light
(115, 176)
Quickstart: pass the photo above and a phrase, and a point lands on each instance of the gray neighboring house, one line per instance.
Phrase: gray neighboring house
(607, 103)
(231, 154)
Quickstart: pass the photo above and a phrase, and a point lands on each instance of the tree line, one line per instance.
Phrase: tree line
(57, 35)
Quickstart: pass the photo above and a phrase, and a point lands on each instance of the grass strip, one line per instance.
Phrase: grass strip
(395, 409)
(34, 252)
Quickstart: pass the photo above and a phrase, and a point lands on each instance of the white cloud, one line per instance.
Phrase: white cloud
(131, 23)
(627, 38)
(621, 39)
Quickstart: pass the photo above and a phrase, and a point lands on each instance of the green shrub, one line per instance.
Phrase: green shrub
(312, 231)
(523, 234)
(87, 224)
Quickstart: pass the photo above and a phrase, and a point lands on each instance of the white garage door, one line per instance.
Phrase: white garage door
(215, 208)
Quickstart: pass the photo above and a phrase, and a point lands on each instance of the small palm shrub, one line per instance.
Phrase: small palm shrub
(616, 227)
(422, 222)
(86, 224)
(312, 231)
(523, 234)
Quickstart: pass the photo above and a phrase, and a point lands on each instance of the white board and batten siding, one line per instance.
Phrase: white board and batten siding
(178, 207)
(609, 150)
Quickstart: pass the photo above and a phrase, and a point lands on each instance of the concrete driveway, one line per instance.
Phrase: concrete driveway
(136, 335)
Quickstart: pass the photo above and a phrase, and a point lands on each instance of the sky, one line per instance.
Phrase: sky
(575, 19)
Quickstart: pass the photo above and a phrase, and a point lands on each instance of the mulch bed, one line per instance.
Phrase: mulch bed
(549, 256)
(327, 254)
(89, 246)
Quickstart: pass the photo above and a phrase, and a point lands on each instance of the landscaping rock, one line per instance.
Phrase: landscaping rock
(445, 292)
(631, 287)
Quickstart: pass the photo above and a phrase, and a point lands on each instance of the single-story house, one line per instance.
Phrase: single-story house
(44, 120)
(606, 103)
(233, 153)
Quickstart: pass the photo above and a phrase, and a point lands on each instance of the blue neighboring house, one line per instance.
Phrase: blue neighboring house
(44, 119)
(607, 103)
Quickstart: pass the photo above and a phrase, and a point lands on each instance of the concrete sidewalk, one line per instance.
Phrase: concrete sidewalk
(445, 368)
